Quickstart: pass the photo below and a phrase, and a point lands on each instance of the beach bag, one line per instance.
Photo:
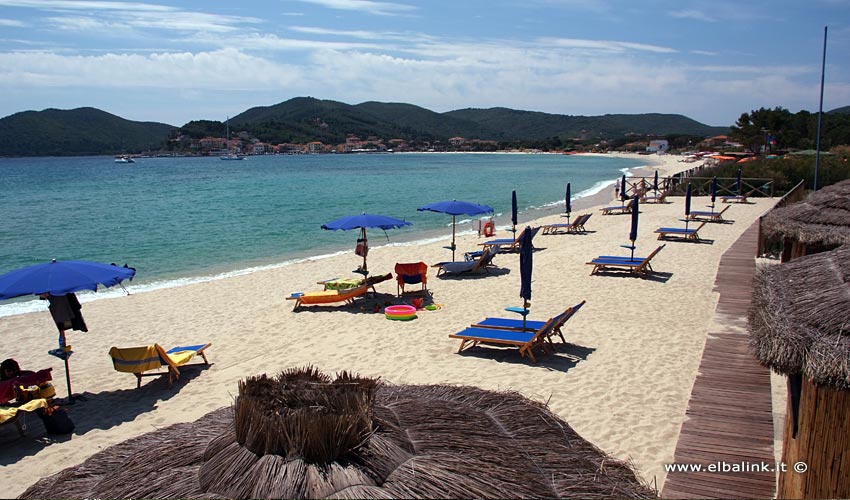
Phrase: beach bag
(46, 390)
(56, 420)
(362, 247)
(25, 394)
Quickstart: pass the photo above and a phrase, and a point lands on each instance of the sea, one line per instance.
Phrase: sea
(182, 220)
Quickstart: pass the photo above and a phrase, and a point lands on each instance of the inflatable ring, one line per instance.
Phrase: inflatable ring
(400, 312)
(489, 228)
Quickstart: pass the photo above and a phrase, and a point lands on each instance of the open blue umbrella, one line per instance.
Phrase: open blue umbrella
(525, 266)
(513, 211)
(59, 278)
(362, 222)
(713, 192)
(568, 204)
(633, 233)
(455, 208)
(623, 195)
(688, 205)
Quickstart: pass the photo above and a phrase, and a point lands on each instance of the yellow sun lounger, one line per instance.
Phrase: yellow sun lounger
(9, 415)
(328, 296)
(137, 360)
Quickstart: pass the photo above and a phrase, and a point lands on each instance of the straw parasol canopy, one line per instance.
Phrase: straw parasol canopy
(823, 217)
(303, 435)
(799, 318)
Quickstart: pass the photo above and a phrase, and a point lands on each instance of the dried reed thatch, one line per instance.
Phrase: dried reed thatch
(800, 317)
(823, 217)
(422, 442)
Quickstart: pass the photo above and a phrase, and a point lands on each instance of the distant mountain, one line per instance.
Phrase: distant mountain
(844, 111)
(306, 118)
(525, 125)
(81, 131)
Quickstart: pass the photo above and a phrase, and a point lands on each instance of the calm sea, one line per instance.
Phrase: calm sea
(183, 220)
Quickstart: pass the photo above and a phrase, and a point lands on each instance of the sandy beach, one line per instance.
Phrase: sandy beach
(622, 381)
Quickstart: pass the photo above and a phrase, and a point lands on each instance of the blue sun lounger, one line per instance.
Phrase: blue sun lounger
(679, 233)
(531, 325)
(708, 216)
(526, 341)
(639, 265)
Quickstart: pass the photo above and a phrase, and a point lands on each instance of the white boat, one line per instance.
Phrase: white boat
(124, 159)
(232, 156)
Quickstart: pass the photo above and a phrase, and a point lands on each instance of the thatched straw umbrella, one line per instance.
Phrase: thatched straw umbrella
(800, 324)
(820, 222)
(303, 435)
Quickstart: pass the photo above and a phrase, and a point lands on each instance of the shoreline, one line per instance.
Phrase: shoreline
(622, 381)
(597, 195)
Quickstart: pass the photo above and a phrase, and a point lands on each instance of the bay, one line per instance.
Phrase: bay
(189, 219)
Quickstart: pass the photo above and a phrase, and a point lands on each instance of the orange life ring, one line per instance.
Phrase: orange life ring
(489, 229)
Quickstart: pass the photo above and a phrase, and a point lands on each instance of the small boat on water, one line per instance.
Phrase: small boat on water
(124, 159)
(232, 156)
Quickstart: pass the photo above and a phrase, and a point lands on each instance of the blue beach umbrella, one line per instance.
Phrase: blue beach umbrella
(713, 192)
(688, 205)
(633, 233)
(362, 222)
(513, 211)
(525, 266)
(455, 208)
(623, 195)
(59, 278)
(568, 204)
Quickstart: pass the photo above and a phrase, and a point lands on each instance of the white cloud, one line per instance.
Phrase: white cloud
(695, 15)
(226, 69)
(12, 23)
(369, 6)
(605, 45)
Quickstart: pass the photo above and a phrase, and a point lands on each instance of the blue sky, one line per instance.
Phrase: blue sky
(173, 62)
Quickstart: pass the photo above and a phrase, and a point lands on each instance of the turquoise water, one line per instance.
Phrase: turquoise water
(179, 220)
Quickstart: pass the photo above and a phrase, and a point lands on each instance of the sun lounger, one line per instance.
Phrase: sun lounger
(577, 226)
(619, 209)
(15, 414)
(531, 325)
(510, 244)
(659, 198)
(638, 265)
(526, 341)
(138, 360)
(328, 296)
(736, 198)
(666, 233)
(708, 216)
(470, 265)
(346, 283)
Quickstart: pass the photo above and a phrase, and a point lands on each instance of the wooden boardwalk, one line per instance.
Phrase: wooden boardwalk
(729, 415)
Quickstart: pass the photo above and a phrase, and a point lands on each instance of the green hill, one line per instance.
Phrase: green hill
(843, 110)
(81, 131)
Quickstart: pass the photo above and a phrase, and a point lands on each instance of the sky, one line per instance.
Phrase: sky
(173, 62)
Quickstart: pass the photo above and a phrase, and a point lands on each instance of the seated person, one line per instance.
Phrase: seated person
(10, 369)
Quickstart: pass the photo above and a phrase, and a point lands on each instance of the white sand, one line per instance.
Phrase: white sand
(623, 383)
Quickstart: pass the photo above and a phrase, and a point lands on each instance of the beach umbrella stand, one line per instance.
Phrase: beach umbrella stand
(57, 281)
(514, 211)
(568, 206)
(633, 232)
(688, 195)
(455, 208)
(362, 222)
(713, 192)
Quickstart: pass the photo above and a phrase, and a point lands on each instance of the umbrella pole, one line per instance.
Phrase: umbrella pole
(365, 250)
(62, 344)
(454, 217)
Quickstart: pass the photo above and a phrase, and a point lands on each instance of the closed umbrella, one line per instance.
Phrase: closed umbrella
(633, 233)
(513, 212)
(713, 192)
(623, 195)
(455, 208)
(362, 222)
(525, 267)
(688, 205)
(568, 204)
(56, 280)
(655, 183)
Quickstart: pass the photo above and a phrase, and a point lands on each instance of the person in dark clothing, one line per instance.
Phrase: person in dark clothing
(10, 369)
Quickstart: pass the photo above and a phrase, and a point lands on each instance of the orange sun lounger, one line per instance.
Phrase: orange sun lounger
(328, 296)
